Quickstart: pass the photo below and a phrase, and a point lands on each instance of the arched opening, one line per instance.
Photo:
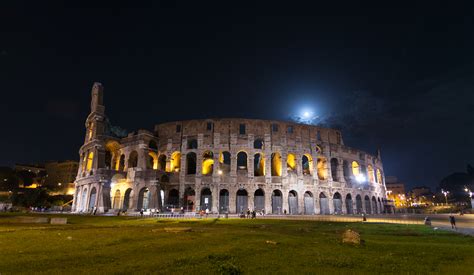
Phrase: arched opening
(379, 177)
(349, 209)
(242, 161)
(189, 197)
(293, 202)
(276, 165)
(370, 173)
(374, 206)
(143, 199)
(242, 201)
(92, 198)
(116, 203)
(112, 148)
(323, 204)
(258, 143)
(206, 199)
(337, 201)
(152, 145)
(381, 208)
(258, 165)
(368, 207)
(359, 204)
(175, 162)
(355, 168)
(207, 163)
(152, 160)
(90, 161)
(173, 198)
(291, 163)
(334, 169)
(83, 201)
(346, 170)
(224, 201)
(308, 203)
(162, 162)
(121, 163)
(259, 200)
(133, 159)
(307, 164)
(192, 144)
(126, 199)
(164, 178)
(322, 168)
(224, 162)
(277, 202)
(108, 159)
(191, 163)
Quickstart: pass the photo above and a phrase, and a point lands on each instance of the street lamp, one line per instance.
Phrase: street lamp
(445, 193)
(470, 196)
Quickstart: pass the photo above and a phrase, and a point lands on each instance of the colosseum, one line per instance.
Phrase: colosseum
(224, 166)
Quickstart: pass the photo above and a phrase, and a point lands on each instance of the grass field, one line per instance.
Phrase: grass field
(125, 245)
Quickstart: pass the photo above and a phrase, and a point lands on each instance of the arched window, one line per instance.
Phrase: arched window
(224, 162)
(307, 164)
(322, 168)
(259, 165)
(370, 173)
(175, 162)
(355, 168)
(345, 170)
(152, 145)
(207, 163)
(291, 162)
(242, 161)
(258, 143)
(152, 160)
(133, 159)
(191, 163)
(379, 177)
(276, 165)
(91, 131)
(334, 169)
(162, 162)
(121, 163)
(90, 161)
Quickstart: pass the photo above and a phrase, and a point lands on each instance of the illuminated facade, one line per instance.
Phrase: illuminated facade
(224, 165)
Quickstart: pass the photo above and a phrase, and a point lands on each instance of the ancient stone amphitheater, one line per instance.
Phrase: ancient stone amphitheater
(224, 166)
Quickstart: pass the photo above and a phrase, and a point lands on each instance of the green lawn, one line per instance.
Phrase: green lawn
(126, 245)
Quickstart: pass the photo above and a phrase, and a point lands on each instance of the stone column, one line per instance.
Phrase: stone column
(331, 205)
(300, 197)
(232, 200)
(197, 197)
(215, 198)
(250, 199)
(250, 168)
(284, 203)
(268, 201)
(142, 156)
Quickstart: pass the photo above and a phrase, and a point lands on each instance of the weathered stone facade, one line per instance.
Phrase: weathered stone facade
(224, 165)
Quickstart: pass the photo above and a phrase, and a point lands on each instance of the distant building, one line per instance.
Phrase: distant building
(34, 168)
(396, 191)
(61, 175)
(420, 190)
(30, 175)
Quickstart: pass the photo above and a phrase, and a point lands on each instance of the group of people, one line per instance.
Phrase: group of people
(251, 214)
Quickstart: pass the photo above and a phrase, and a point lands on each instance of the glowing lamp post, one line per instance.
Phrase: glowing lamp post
(445, 193)
(470, 196)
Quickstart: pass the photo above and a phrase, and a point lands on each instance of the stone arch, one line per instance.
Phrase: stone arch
(292, 202)
(90, 161)
(152, 160)
(379, 177)
(241, 201)
(370, 174)
(349, 209)
(337, 202)
(334, 169)
(126, 199)
(225, 161)
(355, 168)
(92, 198)
(242, 161)
(374, 205)
(308, 203)
(322, 168)
(173, 198)
(133, 159)
(117, 197)
(368, 207)
(192, 143)
(189, 198)
(143, 198)
(191, 163)
(258, 143)
(323, 204)
(112, 148)
(277, 202)
(206, 199)
(121, 163)
(207, 163)
(224, 201)
(259, 200)
(175, 162)
(291, 163)
(161, 162)
(83, 206)
(258, 165)
(307, 164)
(359, 209)
(276, 165)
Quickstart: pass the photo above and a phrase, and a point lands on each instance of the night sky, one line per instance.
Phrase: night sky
(399, 78)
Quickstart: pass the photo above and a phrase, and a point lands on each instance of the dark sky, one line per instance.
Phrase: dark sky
(395, 77)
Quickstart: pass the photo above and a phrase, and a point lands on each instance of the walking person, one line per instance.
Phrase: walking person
(452, 220)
